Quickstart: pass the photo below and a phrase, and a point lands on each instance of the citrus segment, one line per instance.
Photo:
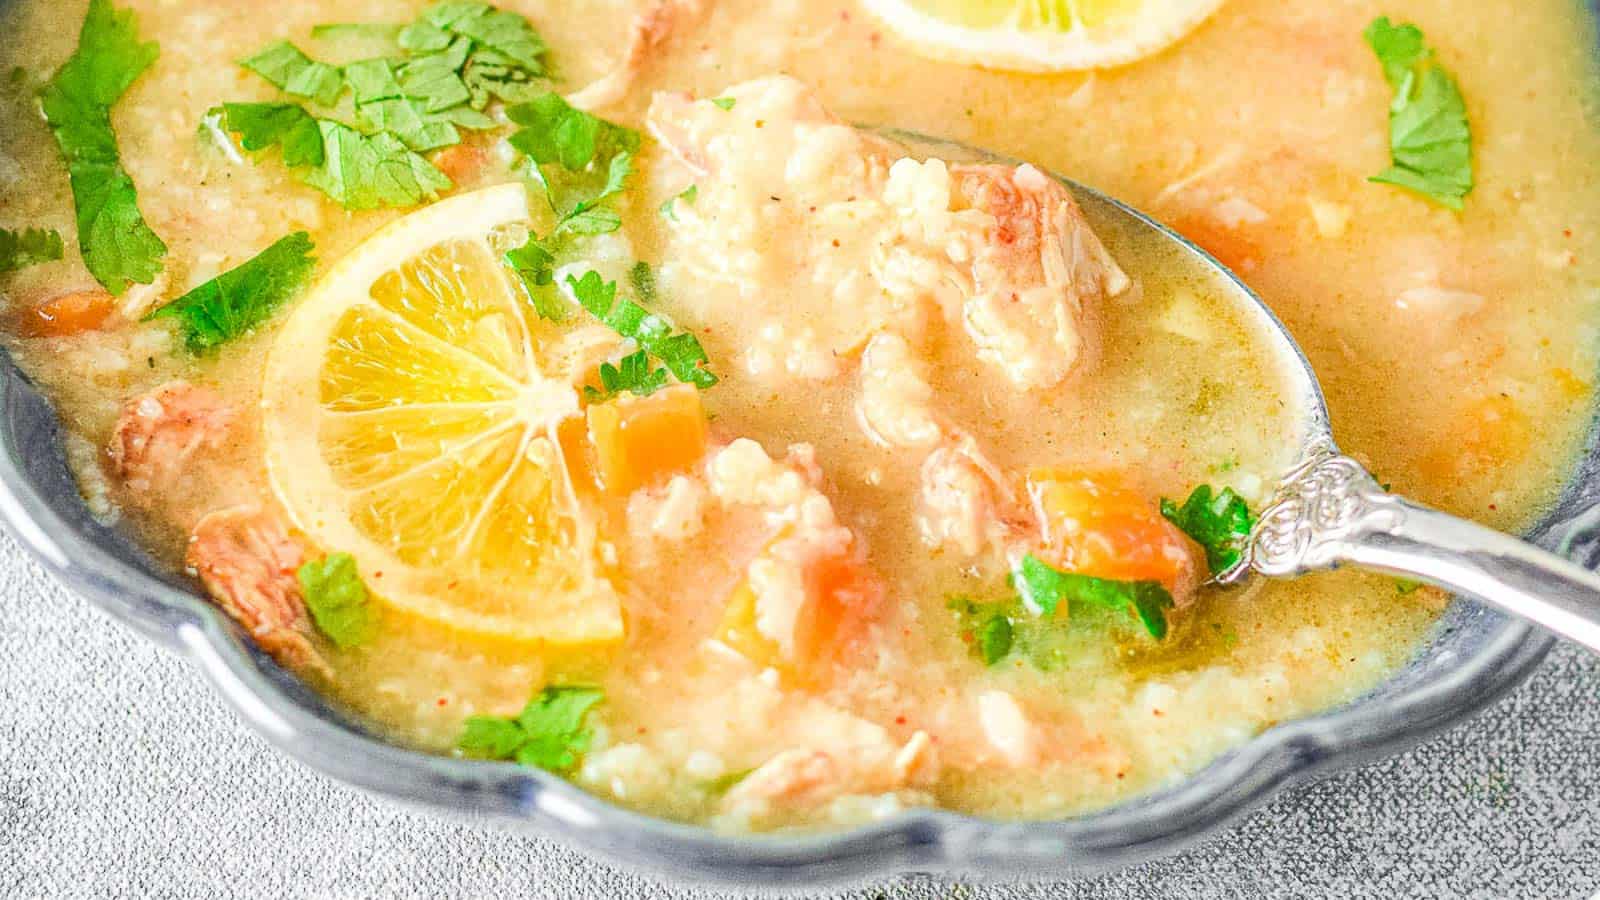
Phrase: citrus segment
(1042, 35)
(409, 423)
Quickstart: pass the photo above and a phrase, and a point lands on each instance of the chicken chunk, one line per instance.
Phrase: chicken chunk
(247, 562)
(795, 783)
(896, 404)
(965, 503)
(1001, 253)
(159, 433)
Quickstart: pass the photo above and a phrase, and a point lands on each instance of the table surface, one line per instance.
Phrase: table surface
(121, 774)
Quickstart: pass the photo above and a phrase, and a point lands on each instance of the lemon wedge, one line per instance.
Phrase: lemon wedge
(414, 412)
(1042, 35)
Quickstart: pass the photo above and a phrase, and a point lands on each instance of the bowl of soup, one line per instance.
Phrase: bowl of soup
(617, 422)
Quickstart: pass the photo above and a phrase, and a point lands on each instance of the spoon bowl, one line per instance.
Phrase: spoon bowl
(1327, 511)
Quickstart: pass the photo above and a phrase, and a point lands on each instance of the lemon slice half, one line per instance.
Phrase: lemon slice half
(412, 415)
(1042, 35)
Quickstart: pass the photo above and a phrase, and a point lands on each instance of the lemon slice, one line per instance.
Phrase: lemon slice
(1042, 35)
(413, 416)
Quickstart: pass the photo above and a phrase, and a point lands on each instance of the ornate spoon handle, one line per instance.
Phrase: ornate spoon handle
(1331, 512)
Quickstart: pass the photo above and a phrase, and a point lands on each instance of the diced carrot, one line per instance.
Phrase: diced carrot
(1492, 433)
(1230, 246)
(67, 314)
(1093, 524)
(461, 162)
(639, 440)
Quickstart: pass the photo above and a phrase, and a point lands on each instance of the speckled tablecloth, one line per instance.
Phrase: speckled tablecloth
(121, 775)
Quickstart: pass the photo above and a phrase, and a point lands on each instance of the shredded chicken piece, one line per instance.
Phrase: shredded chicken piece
(647, 33)
(247, 562)
(965, 503)
(796, 781)
(158, 433)
(896, 405)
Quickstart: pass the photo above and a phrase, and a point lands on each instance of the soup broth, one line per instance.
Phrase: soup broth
(802, 596)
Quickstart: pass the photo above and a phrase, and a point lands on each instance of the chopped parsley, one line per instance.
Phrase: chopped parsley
(296, 74)
(680, 352)
(243, 297)
(986, 627)
(578, 159)
(118, 247)
(1045, 588)
(368, 30)
(28, 247)
(687, 195)
(535, 265)
(548, 734)
(457, 57)
(633, 374)
(723, 103)
(1405, 586)
(1219, 522)
(337, 599)
(1430, 141)
(643, 279)
(287, 125)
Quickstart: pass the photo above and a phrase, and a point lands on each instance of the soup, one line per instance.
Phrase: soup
(658, 427)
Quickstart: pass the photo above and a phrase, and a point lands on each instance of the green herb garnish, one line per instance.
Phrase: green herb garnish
(535, 264)
(243, 297)
(118, 247)
(263, 125)
(28, 247)
(687, 195)
(337, 599)
(633, 374)
(367, 30)
(680, 352)
(549, 734)
(1045, 588)
(578, 159)
(723, 103)
(296, 74)
(1219, 522)
(1430, 141)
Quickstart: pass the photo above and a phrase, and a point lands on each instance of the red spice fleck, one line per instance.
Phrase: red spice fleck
(899, 720)
(1566, 232)
(443, 701)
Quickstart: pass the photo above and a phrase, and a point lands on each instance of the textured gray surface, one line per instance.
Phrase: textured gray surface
(121, 775)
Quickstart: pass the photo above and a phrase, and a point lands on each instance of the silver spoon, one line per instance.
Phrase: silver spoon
(1328, 511)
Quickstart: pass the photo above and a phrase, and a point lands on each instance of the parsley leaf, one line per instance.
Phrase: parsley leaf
(509, 36)
(242, 297)
(117, 245)
(28, 247)
(1218, 522)
(687, 195)
(262, 125)
(986, 627)
(1044, 588)
(366, 171)
(548, 734)
(595, 158)
(681, 353)
(1430, 141)
(534, 264)
(632, 373)
(337, 599)
(296, 74)
(723, 103)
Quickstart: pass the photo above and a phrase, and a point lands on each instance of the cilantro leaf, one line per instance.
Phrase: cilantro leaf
(1218, 522)
(262, 125)
(681, 353)
(632, 373)
(242, 297)
(366, 171)
(643, 280)
(549, 733)
(1430, 140)
(28, 247)
(687, 195)
(579, 159)
(534, 264)
(723, 103)
(986, 627)
(1044, 588)
(507, 34)
(337, 599)
(296, 74)
(118, 247)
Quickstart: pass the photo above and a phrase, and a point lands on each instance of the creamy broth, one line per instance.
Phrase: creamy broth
(1456, 351)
